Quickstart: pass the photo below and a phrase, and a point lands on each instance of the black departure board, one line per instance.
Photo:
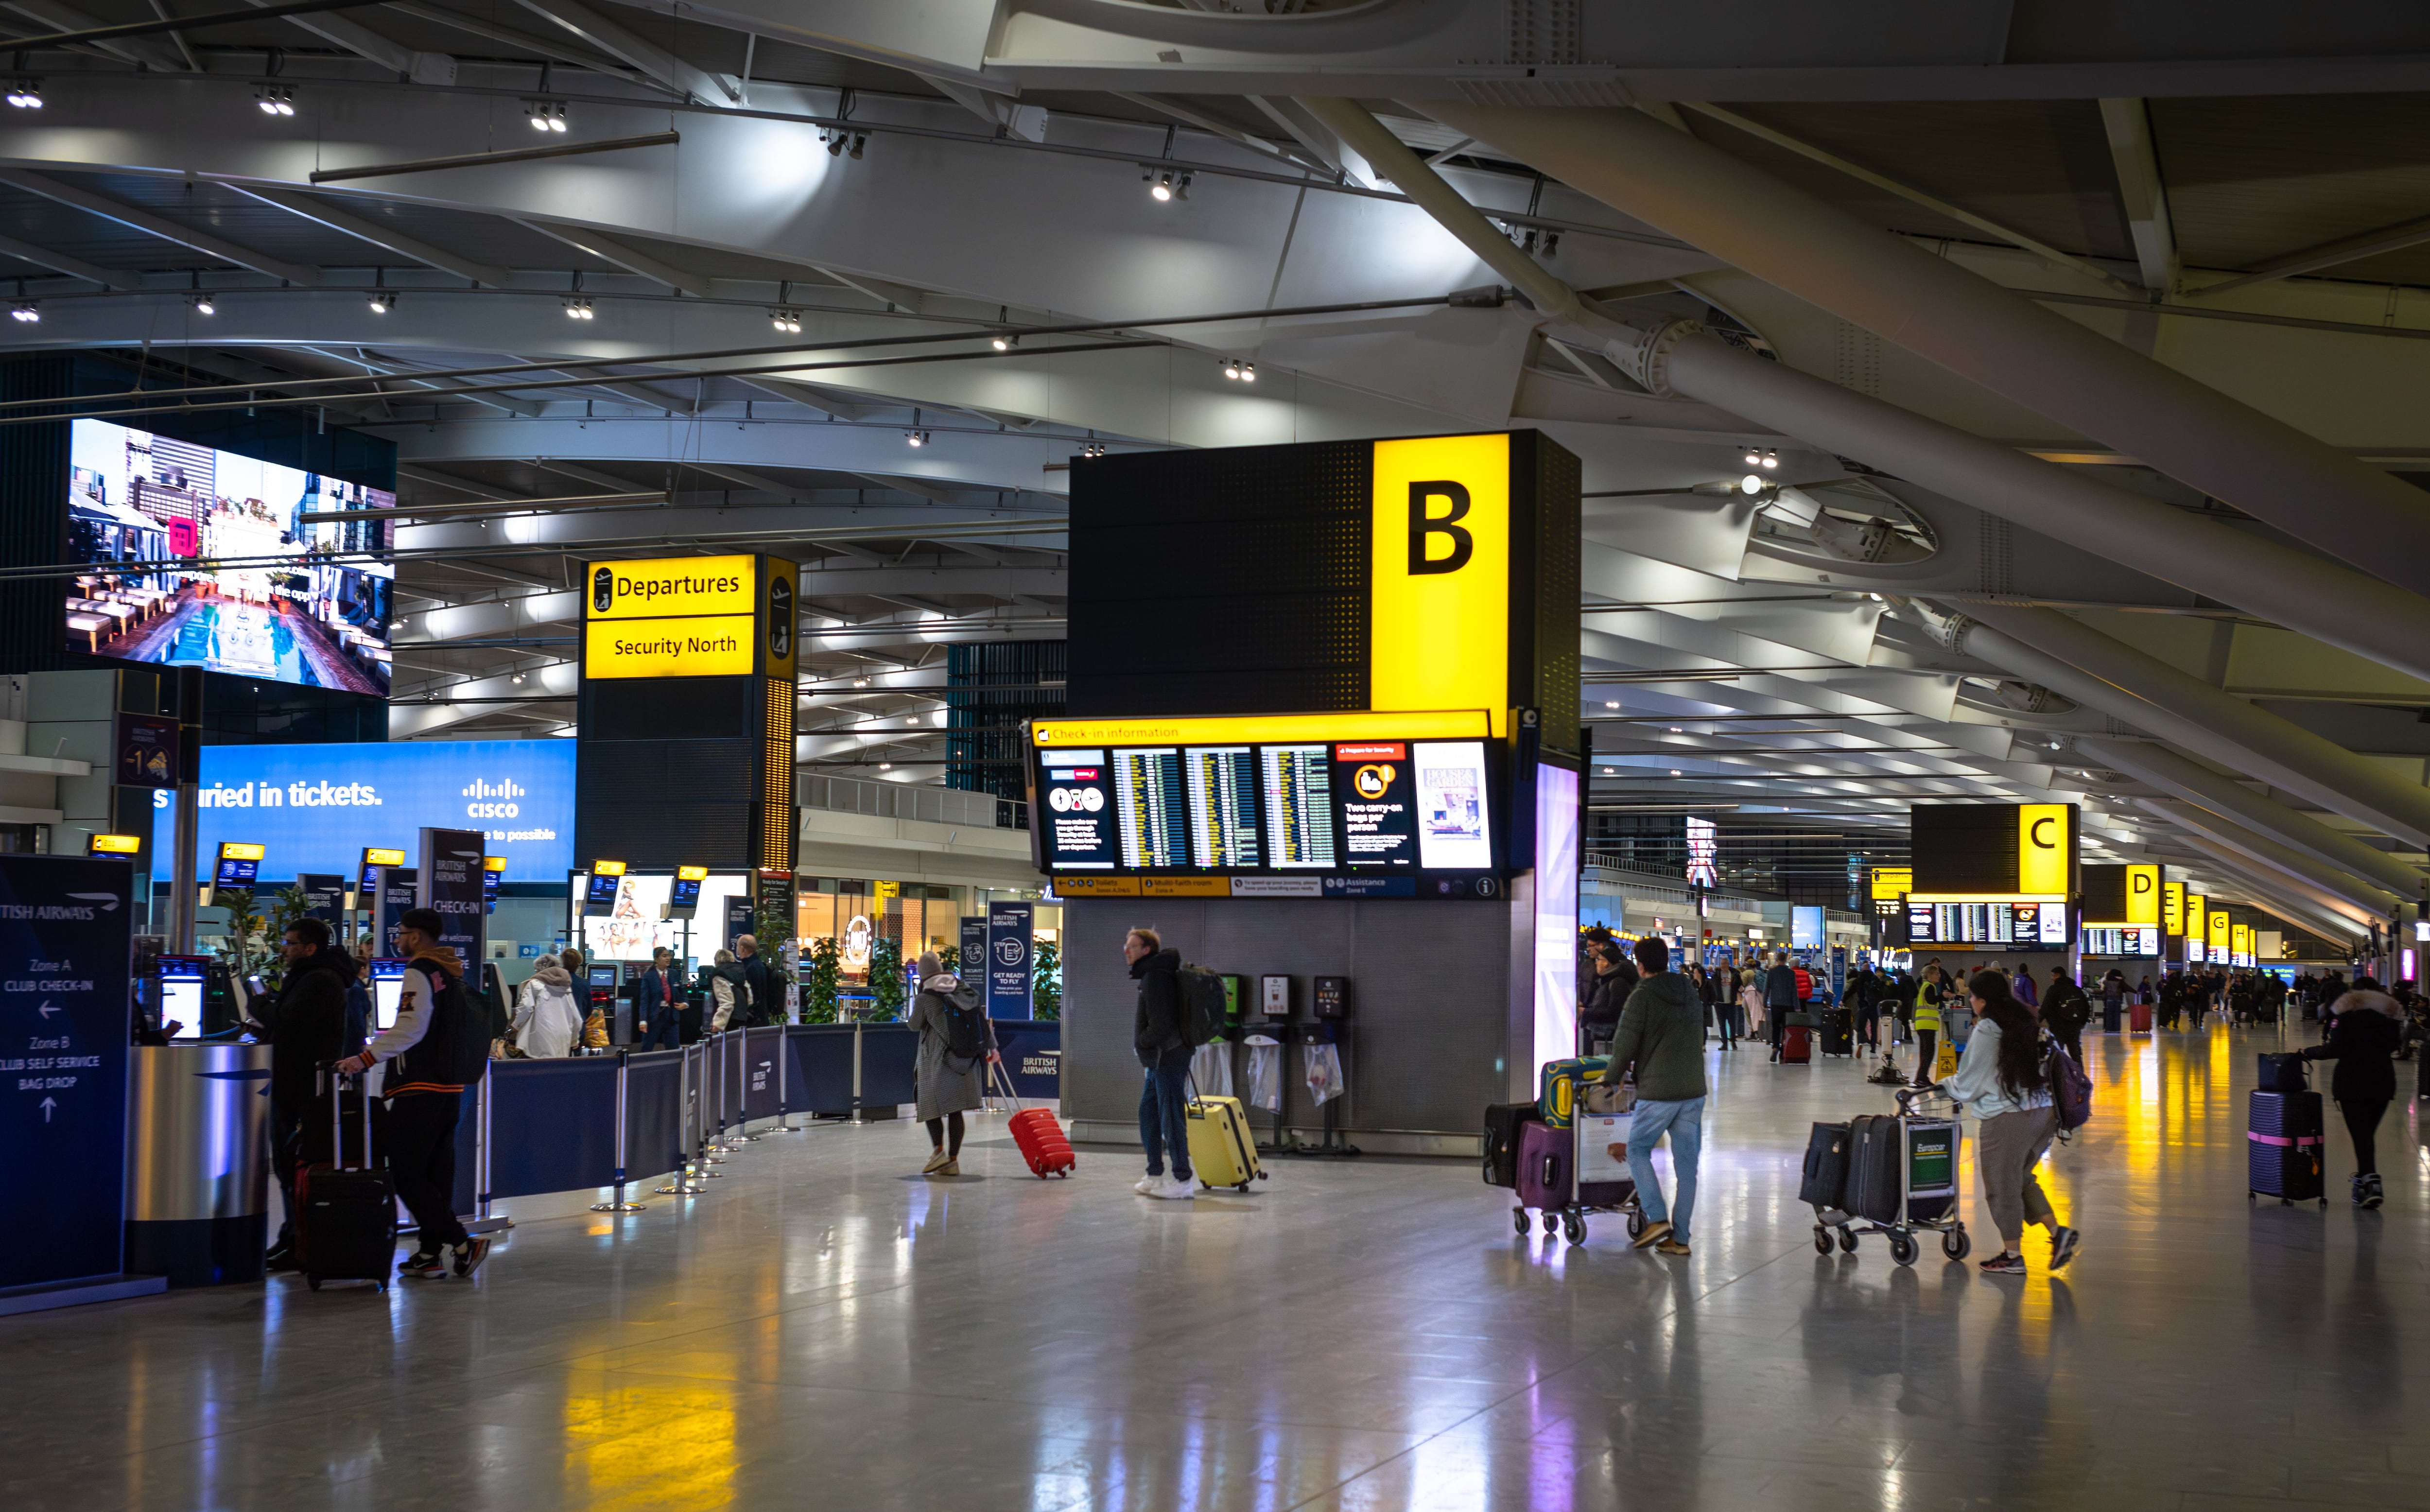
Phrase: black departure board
(1221, 781)
(1150, 809)
(1298, 782)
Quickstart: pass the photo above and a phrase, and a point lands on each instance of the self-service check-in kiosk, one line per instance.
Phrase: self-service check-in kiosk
(602, 999)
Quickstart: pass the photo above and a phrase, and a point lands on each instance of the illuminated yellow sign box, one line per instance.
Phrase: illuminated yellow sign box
(1890, 883)
(1278, 729)
(2045, 849)
(671, 586)
(494, 863)
(2142, 895)
(2219, 930)
(115, 844)
(2173, 908)
(607, 868)
(691, 873)
(381, 856)
(240, 851)
(1097, 887)
(715, 646)
(1439, 574)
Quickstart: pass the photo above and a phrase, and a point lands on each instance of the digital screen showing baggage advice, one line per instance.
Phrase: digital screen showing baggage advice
(1274, 808)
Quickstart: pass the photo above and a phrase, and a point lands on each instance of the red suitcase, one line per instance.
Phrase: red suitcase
(2139, 1020)
(1796, 1045)
(1034, 1129)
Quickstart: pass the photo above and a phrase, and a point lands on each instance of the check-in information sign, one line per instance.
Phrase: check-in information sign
(64, 1025)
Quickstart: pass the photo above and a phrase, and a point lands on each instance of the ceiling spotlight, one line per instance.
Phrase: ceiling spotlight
(382, 301)
(1676, 730)
(577, 307)
(787, 321)
(1163, 184)
(545, 115)
(1771, 461)
(835, 143)
(915, 438)
(1750, 485)
(26, 95)
(1611, 703)
(1232, 368)
(1754, 457)
(860, 145)
(519, 676)
(29, 313)
(1248, 372)
(275, 99)
(1093, 449)
(1003, 341)
(1675, 771)
(886, 766)
(203, 305)
(860, 682)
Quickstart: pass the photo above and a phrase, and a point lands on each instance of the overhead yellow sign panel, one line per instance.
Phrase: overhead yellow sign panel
(667, 586)
(2173, 908)
(1439, 595)
(716, 646)
(1890, 883)
(2142, 894)
(2219, 929)
(1073, 734)
(2045, 849)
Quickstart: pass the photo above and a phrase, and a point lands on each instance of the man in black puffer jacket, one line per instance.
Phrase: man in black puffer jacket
(1164, 1050)
(307, 1030)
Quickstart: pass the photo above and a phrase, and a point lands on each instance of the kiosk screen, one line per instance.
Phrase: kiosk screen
(387, 990)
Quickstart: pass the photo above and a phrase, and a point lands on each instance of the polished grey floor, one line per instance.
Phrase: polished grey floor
(826, 1329)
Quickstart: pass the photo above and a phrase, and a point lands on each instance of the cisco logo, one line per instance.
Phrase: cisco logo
(486, 795)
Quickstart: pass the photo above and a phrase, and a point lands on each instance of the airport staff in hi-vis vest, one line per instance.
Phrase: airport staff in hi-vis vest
(1929, 986)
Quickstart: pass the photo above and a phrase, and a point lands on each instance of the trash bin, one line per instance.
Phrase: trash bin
(197, 1173)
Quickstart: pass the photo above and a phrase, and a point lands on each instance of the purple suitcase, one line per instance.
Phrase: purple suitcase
(1548, 1172)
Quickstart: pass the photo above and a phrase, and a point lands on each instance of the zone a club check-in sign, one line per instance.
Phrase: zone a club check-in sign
(689, 617)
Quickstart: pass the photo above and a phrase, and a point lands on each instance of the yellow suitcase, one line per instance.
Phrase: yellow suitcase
(1221, 1153)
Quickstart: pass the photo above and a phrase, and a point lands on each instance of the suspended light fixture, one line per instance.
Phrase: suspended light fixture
(860, 144)
(1003, 341)
(28, 311)
(1753, 457)
(915, 436)
(26, 95)
(275, 99)
(787, 321)
(1164, 185)
(577, 307)
(545, 115)
(203, 305)
(1771, 460)
(1248, 372)
(382, 301)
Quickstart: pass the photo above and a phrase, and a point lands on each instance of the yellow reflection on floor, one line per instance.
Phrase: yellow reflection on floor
(662, 1444)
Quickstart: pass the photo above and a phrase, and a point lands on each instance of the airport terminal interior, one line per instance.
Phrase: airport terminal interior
(1214, 754)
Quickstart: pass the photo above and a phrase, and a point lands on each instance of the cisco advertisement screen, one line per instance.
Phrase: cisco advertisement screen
(314, 807)
(1306, 816)
(203, 558)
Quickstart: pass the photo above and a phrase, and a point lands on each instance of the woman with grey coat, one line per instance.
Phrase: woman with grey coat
(948, 1086)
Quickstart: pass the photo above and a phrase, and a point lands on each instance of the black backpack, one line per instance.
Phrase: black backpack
(965, 1033)
(1202, 1006)
(454, 1049)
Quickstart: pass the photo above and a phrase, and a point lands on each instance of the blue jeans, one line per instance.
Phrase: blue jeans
(1164, 1116)
(1685, 1122)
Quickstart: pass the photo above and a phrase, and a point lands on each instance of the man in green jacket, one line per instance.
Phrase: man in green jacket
(1662, 1035)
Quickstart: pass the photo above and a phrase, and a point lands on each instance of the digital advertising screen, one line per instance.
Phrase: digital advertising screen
(1284, 814)
(147, 512)
(317, 807)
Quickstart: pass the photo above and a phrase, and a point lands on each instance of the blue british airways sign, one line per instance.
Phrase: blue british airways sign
(314, 807)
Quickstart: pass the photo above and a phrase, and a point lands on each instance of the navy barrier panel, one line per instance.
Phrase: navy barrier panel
(1033, 1056)
(468, 1152)
(820, 1081)
(730, 1087)
(552, 1126)
(653, 1113)
(887, 1055)
(760, 1049)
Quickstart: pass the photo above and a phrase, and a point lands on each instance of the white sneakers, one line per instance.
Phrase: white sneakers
(1176, 1189)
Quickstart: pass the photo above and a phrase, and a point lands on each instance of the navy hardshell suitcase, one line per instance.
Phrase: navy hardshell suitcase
(2283, 1146)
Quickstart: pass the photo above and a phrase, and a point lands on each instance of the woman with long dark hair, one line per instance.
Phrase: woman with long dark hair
(2001, 1082)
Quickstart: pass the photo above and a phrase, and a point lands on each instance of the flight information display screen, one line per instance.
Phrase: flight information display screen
(2141, 940)
(1307, 808)
(1989, 925)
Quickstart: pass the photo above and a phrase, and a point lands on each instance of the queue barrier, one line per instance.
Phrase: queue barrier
(536, 1126)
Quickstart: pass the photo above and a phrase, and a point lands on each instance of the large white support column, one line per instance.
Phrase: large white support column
(2149, 693)
(2264, 852)
(2190, 780)
(2346, 609)
(1969, 325)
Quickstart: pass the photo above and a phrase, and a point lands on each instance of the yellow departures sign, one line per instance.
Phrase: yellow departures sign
(2045, 849)
(2173, 908)
(1438, 605)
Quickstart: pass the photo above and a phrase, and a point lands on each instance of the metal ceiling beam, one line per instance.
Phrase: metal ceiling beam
(548, 47)
(506, 403)
(161, 226)
(422, 67)
(312, 208)
(141, 50)
(2129, 125)
(1215, 127)
(2330, 254)
(448, 480)
(61, 262)
(1912, 195)
(685, 78)
(920, 486)
(607, 250)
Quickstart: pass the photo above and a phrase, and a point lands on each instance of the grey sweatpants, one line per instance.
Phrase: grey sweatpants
(2010, 1146)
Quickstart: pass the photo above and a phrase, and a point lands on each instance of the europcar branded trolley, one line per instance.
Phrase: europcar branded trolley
(1926, 1156)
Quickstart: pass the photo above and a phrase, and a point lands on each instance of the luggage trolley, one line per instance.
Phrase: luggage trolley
(1553, 1161)
(1928, 1149)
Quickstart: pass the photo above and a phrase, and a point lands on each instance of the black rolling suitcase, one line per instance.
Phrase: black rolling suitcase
(2283, 1073)
(1505, 1124)
(346, 1218)
(1839, 1031)
(1824, 1182)
(1875, 1187)
(2283, 1146)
